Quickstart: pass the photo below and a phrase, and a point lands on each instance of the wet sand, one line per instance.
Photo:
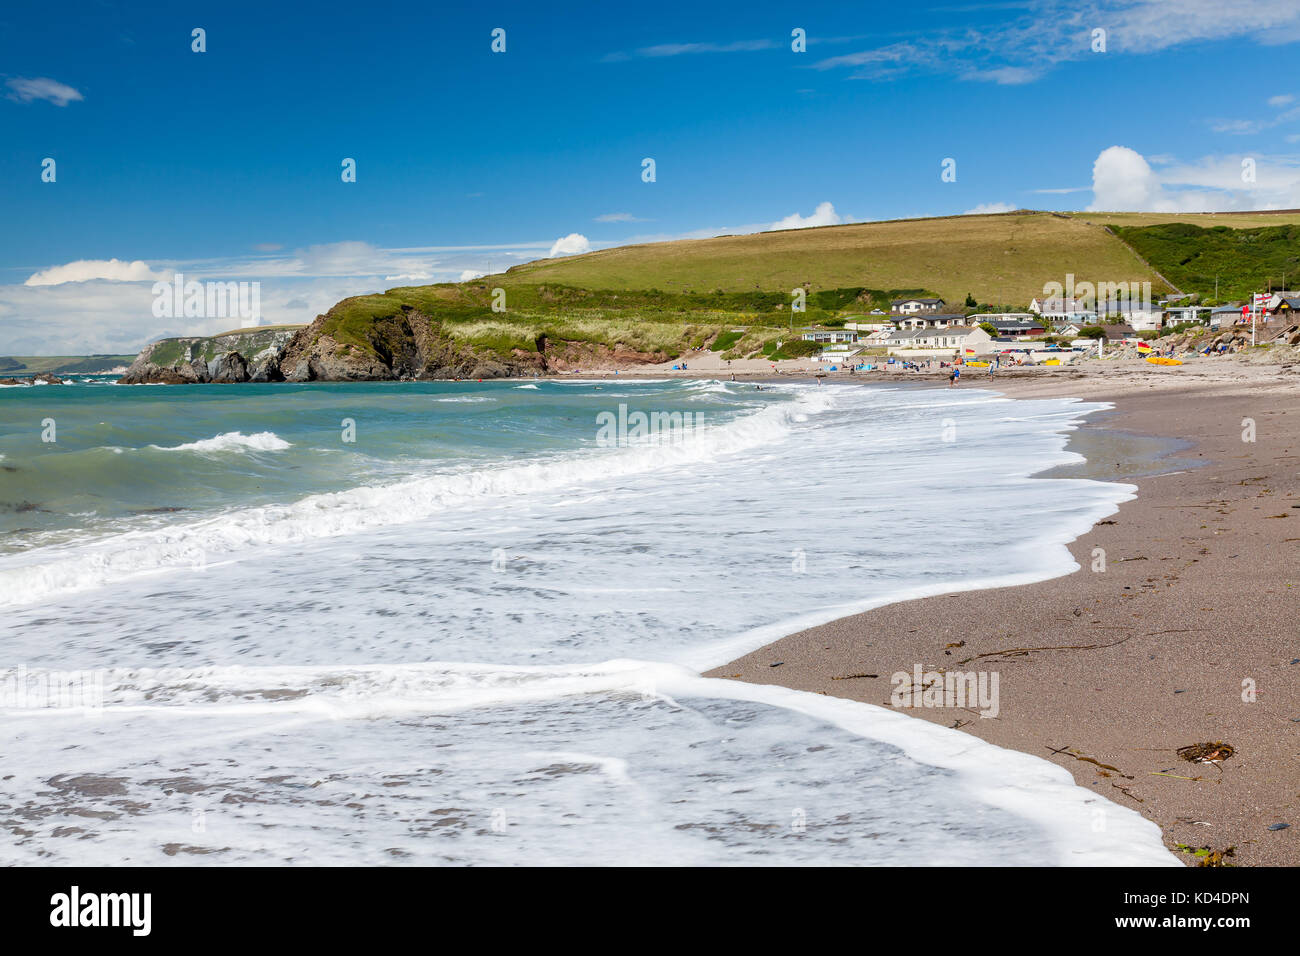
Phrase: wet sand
(1108, 673)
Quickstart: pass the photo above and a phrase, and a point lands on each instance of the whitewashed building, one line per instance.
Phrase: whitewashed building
(844, 336)
(1142, 318)
(913, 306)
(955, 339)
(930, 320)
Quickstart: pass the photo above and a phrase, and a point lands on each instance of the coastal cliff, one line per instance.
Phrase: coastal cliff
(429, 333)
(245, 355)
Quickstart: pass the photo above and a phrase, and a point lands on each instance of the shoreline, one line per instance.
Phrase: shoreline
(1108, 673)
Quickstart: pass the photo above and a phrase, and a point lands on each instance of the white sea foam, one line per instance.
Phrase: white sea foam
(157, 715)
(560, 610)
(39, 575)
(232, 441)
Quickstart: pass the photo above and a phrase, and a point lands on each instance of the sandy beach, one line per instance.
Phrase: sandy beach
(1189, 635)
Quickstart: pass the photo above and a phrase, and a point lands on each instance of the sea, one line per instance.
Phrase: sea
(465, 623)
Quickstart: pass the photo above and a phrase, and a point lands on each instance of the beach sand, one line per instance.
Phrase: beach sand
(1108, 673)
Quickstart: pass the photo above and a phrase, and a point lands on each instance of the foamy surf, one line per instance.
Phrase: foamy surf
(510, 647)
(32, 577)
(1034, 814)
(231, 441)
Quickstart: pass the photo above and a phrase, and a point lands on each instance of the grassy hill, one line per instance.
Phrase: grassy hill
(642, 320)
(23, 365)
(1005, 258)
(1207, 220)
(1243, 260)
(732, 293)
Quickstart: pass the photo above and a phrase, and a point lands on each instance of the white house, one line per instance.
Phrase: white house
(838, 353)
(952, 339)
(1056, 305)
(1177, 315)
(831, 336)
(930, 320)
(913, 306)
(1141, 317)
(869, 325)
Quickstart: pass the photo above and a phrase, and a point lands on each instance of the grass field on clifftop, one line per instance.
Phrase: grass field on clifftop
(732, 293)
(998, 258)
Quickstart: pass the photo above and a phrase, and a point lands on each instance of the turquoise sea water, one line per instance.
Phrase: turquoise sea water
(454, 622)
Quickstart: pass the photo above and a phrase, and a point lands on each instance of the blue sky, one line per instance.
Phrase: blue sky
(226, 164)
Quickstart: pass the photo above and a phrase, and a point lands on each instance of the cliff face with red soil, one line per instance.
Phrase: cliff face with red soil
(408, 345)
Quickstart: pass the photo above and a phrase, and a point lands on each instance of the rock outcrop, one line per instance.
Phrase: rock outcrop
(228, 367)
(195, 360)
(406, 345)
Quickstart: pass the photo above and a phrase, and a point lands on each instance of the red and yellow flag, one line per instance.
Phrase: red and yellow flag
(1144, 347)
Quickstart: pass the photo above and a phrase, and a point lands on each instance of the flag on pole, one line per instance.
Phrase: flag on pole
(1144, 347)
(970, 351)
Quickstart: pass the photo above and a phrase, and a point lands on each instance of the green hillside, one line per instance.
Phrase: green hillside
(732, 294)
(1004, 258)
(643, 320)
(1243, 260)
(23, 365)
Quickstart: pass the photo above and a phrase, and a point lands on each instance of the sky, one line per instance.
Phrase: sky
(228, 164)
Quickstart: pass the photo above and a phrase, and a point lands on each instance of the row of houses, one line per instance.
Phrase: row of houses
(1045, 313)
(1058, 315)
(1263, 307)
(1009, 325)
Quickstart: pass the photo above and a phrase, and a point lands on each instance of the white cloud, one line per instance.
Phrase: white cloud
(117, 317)
(679, 49)
(469, 274)
(106, 305)
(1125, 181)
(1005, 75)
(1036, 35)
(87, 270)
(571, 245)
(987, 208)
(619, 217)
(25, 89)
(343, 259)
(823, 215)
(1252, 126)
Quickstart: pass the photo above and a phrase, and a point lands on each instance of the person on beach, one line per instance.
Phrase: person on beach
(952, 378)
